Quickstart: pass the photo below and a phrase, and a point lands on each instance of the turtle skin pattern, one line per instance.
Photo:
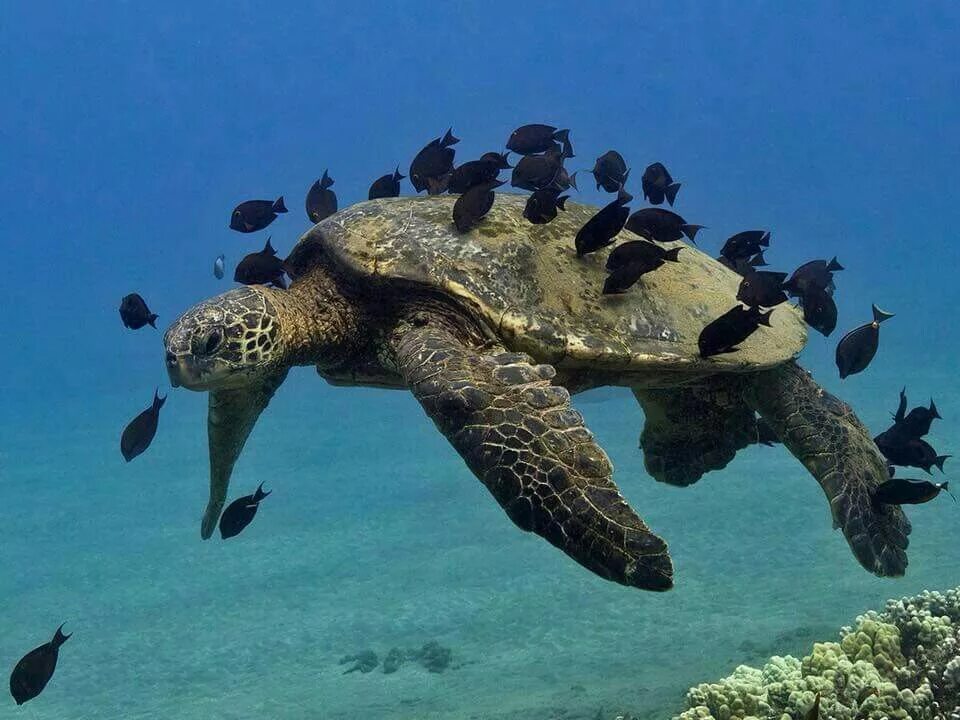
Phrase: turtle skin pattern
(519, 435)
(825, 434)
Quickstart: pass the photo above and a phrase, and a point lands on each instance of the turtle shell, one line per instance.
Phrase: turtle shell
(527, 284)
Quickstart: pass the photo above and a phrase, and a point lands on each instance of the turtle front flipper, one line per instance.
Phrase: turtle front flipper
(231, 415)
(689, 431)
(828, 438)
(519, 435)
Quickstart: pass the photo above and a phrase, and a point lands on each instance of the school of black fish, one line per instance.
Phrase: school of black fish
(543, 150)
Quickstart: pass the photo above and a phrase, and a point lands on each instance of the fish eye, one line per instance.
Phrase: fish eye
(212, 342)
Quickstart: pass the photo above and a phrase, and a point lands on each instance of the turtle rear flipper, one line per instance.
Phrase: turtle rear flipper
(826, 436)
(519, 435)
(690, 431)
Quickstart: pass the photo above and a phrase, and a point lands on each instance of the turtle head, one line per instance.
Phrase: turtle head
(229, 341)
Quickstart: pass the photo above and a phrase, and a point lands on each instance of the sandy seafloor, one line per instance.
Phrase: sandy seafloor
(377, 536)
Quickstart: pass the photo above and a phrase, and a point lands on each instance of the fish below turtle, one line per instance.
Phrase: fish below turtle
(492, 330)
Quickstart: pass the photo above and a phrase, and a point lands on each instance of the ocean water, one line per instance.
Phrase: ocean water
(130, 131)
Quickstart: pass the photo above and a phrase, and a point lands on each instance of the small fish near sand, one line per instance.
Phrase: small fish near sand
(816, 273)
(903, 491)
(600, 230)
(537, 138)
(139, 432)
(763, 288)
(432, 165)
(254, 215)
(321, 201)
(218, 266)
(261, 268)
(135, 314)
(857, 348)
(542, 206)
(819, 310)
(240, 513)
(662, 225)
(476, 202)
(733, 327)
(610, 171)
(386, 186)
(33, 671)
(658, 185)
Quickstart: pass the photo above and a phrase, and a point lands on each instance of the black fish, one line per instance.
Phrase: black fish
(476, 202)
(261, 268)
(816, 273)
(531, 139)
(321, 200)
(899, 415)
(745, 244)
(134, 312)
(218, 267)
(622, 279)
(600, 230)
(914, 452)
(901, 491)
(386, 186)
(761, 287)
(657, 184)
(819, 310)
(917, 422)
(473, 173)
(610, 171)
(661, 225)
(139, 432)
(254, 215)
(433, 162)
(540, 172)
(908, 426)
(765, 434)
(733, 327)
(499, 158)
(743, 266)
(857, 348)
(542, 206)
(632, 260)
(34, 670)
(240, 513)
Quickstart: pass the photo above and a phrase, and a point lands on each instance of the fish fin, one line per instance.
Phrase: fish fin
(278, 206)
(573, 181)
(879, 315)
(397, 175)
(564, 137)
(326, 181)
(157, 400)
(764, 318)
(759, 260)
(833, 265)
(902, 406)
(941, 459)
(673, 254)
(59, 638)
(268, 248)
(260, 494)
(623, 197)
(934, 413)
(280, 282)
(153, 320)
(670, 191)
(765, 240)
(691, 231)
(562, 201)
(449, 139)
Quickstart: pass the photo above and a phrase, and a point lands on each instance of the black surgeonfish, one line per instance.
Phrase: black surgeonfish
(139, 432)
(733, 327)
(386, 186)
(254, 215)
(600, 230)
(902, 491)
(762, 287)
(321, 200)
(914, 452)
(542, 206)
(433, 164)
(261, 268)
(536, 138)
(472, 205)
(857, 348)
(240, 513)
(661, 225)
(908, 426)
(499, 158)
(540, 172)
(610, 171)
(816, 273)
(744, 266)
(632, 260)
(473, 173)
(658, 185)
(745, 244)
(134, 312)
(819, 310)
(33, 671)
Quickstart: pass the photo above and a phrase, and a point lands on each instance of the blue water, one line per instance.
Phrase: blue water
(129, 131)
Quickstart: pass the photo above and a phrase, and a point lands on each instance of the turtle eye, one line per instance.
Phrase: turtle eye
(212, 341)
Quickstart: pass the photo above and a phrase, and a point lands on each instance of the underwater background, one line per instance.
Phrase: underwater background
(130, 130)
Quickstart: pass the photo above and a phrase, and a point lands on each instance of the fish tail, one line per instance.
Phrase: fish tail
(268, 248)
(670, 191)
(59, 638)
(562, 202)
(260, 494)
(449, 139)
(765, 240)
(879, 315)
(623, 197)
(941, 459)
(934, 413)
(157, 400)
(573, 181)
(673, 254)
(758, 260)
(564, 137)
(691, 231)
(397, 175)
(153, 320)
(326, 181)
(278, 206)
(833, 265)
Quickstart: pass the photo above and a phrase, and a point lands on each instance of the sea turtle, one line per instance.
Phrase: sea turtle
(491, 330)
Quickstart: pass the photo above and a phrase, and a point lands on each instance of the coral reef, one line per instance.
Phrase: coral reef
(902, 663)
(432, 656)
(364, 661)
